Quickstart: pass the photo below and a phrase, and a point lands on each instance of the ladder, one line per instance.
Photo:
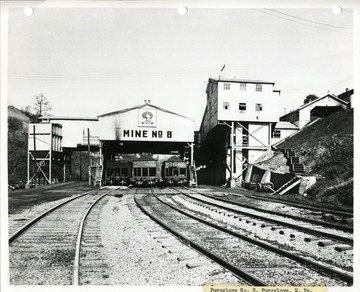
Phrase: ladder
(98, 175)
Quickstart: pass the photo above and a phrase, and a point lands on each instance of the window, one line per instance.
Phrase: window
(242, 86)
(124, 171)
(182, 171)
(152, 171)
(137, 171)
(226, 86)
(145, 171)
(277, 133)
(242, 106)
(258, 87)
(226, 105)
(258, 107)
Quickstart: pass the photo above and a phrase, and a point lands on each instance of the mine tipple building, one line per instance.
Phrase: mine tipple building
(99, 148)
(237, 127)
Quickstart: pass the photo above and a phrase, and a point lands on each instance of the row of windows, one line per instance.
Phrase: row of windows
(144, 171)
(174, 171)
(118, 171)
(243, 86)
(242, 106)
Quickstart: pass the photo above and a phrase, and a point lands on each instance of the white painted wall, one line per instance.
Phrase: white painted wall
(284, 133)
(73, 131)
(304, 113)
(269, 100)
(260, 135)
(132, 126)
(48, 136)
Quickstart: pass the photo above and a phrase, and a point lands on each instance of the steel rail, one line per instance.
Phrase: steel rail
(314, 265)
(312, 221)
(302, 205)
(76, 267)
(36, 219)
(243, 275)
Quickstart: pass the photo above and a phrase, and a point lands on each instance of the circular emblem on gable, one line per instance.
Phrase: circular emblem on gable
(147, 118)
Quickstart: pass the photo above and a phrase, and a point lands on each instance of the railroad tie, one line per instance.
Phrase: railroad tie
(197, 264)
(164, 245)
(341, 248)
(177, 250)
(311, 239)
(326, 243)
(283, 230)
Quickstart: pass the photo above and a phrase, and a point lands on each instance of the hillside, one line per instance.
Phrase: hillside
(17, 144)
(326, 149)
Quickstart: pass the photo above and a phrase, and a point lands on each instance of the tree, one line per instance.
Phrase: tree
(42, 105)
(310, 98)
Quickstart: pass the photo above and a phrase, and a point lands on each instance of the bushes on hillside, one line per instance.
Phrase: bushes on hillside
(338, 195)
(335, 161)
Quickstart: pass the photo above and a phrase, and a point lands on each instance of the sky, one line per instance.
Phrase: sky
(90, 61)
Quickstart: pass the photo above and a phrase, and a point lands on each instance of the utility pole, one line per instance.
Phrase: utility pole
(89, 154)
(35, 154)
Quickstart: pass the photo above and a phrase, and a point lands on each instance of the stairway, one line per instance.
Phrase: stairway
(98, 175)
(288, 186)
(296, 166)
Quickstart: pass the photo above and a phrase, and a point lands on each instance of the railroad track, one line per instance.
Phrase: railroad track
(327, 209)
(341, 219)
(332, 225)
(277, 219)
(257, 262)
(311, 241)
(47, 250)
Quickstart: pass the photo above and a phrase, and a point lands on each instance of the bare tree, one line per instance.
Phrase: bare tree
(42, 105)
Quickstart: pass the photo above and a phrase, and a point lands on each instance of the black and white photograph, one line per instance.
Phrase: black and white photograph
(202, 145)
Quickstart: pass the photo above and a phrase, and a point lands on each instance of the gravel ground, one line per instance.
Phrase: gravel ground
(139, 252)
(296, 243)
(271, 268)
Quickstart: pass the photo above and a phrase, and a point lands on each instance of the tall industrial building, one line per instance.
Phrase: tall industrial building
(236, 128)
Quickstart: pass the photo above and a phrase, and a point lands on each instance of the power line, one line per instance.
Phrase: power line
(321, 23)
(306, 24)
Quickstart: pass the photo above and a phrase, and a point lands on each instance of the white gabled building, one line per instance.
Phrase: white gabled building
(317, 108)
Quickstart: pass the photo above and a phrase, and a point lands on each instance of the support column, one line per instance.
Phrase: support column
(232, 162)
(89, 154)
(192, 154)
(50, 163)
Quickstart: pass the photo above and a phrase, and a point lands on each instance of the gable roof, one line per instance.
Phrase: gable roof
(63, 118)
(141, 106)
(320, 98)
(314, 101)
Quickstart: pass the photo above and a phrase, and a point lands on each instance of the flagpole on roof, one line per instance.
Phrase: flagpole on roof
(222, 70)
